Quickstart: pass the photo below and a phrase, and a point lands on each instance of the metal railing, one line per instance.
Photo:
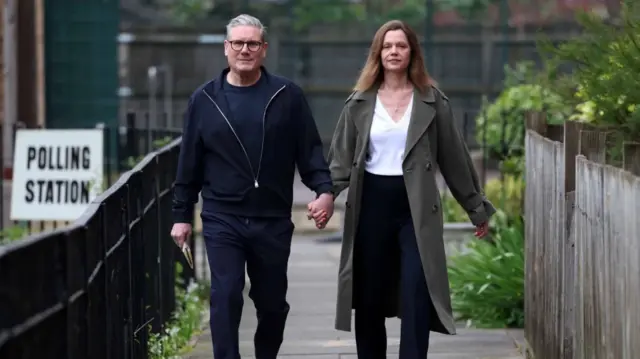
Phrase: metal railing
(97, 288)
(124, 146)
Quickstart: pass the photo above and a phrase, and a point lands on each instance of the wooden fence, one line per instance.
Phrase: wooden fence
(582, 244)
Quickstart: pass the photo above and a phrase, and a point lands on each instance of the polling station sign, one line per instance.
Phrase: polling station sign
(56, 173)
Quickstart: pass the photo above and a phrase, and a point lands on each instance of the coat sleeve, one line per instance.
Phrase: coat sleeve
(342, 151)
(457, 167)
(189, 174)
(312, 166)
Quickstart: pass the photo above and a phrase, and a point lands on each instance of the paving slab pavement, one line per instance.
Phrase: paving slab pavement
(310, 334)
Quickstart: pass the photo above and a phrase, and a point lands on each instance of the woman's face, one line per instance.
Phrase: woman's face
(396, 52)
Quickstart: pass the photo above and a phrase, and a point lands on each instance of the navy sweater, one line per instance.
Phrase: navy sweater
(242, 164)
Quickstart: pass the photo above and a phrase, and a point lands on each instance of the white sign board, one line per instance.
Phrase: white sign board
(56, 173)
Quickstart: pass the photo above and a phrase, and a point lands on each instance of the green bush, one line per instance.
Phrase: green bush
(487, 280)
(506, 194)
(501, 124)
(13, 233)
(452, 212)
(173, 341)
(157, 144)
(603, 86)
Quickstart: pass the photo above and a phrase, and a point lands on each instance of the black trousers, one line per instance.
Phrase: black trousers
(385, 241)
(264, 244)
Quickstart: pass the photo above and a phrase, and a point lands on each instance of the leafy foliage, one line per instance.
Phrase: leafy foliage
(452, 212)
(506, 194)
(501, 125)
(303, 13)
(307, 13)
(156, 144)
(185, 11)
(13, 233)
(604, 85)
(174, 340)
(468, 8)
(487, 281)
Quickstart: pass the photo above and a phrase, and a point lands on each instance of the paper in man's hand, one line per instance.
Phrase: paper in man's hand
(186, 250)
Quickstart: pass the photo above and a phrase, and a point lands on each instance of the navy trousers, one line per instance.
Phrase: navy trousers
(264, 245)
(385, 237)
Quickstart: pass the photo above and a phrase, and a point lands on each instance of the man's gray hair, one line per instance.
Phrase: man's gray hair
(246, 20)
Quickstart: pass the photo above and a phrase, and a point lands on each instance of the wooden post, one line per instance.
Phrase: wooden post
(571, 150)
(593, 145)
(536, 121)
(631, 157)
(10, 71)
(27, 110)
(2, 11)
(555, 133)
(40, 71)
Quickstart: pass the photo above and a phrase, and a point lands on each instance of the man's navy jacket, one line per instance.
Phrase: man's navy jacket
(214, 160)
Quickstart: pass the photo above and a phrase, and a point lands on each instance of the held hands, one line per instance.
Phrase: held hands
(321, 210)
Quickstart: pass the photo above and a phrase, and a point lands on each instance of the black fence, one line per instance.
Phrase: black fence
(95, 289)
(124, 146)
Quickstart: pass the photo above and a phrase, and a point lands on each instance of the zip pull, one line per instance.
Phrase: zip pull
(255, 184)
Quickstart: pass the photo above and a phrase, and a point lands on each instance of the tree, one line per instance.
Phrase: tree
(187, 11)
(304, 13)
(604, 82)
(468, 9)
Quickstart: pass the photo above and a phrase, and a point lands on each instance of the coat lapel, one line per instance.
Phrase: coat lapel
(421, 117)
(364, 116)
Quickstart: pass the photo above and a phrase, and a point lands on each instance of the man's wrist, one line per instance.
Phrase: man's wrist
(329, 194)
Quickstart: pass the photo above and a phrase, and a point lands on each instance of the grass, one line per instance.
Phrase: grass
(176, 338)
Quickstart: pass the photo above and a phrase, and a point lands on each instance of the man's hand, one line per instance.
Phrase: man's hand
(180, 232)
(482, 230)
(321, 210)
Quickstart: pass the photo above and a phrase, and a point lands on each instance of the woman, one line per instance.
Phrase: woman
(392, 132)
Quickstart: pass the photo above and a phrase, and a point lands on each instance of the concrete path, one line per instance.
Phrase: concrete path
(310, 333)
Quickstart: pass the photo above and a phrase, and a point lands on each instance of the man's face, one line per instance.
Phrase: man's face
(245, 49)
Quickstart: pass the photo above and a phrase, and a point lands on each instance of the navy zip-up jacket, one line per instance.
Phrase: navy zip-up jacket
(215, 161)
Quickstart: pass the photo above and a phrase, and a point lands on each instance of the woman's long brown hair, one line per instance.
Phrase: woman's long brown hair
(372, 73)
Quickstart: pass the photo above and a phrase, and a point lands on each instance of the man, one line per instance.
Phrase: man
(244, 134)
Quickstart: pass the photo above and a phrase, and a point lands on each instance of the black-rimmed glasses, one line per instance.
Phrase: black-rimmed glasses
(238, 45)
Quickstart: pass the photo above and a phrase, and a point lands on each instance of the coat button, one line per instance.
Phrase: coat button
(429, 166)
(355, 164)
(347, 204)
(434, 209)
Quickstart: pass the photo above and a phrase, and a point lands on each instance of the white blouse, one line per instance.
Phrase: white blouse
(387, 141)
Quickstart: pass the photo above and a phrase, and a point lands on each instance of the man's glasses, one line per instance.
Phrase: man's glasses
(238, 45)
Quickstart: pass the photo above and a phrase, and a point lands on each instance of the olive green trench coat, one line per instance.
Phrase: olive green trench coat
(432, 140)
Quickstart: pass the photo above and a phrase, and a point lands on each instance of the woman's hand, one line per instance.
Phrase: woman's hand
(321, 210)
(482, 230)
